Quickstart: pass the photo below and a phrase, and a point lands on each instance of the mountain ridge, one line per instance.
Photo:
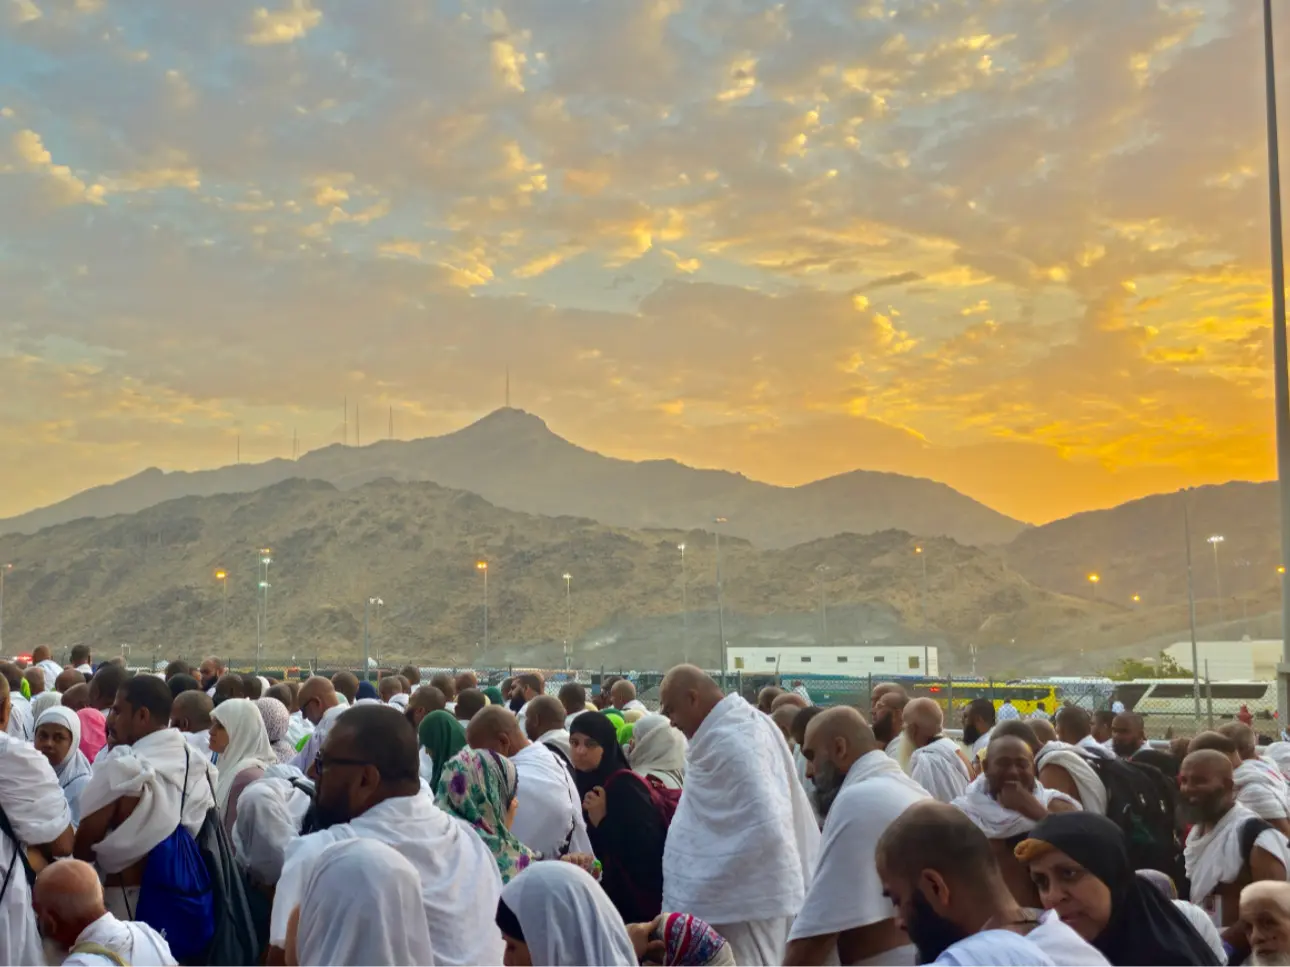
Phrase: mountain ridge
(513, 459)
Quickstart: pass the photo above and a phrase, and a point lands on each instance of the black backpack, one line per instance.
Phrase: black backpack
(1142, 801)
(236, 939)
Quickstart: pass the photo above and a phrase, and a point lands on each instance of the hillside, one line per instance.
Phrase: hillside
(513, 460)
(1139, 548)
(147, 579)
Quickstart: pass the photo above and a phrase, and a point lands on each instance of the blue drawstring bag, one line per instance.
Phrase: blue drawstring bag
(175, 898)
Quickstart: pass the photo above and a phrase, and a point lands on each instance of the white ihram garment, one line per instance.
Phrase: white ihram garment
(845, 893)
(136, 943)
(1261, 790)
(1213, 856)
(549, 816)
(999, 822)
(37, 809)
(939, 768)
(558, 739)
(743, 843)
(567, 918)
(298, 727)
(152, 769)
(305, 757)
(658, 749)
(329, 934)
(270, 812)
(460, 882)
(1092, 793)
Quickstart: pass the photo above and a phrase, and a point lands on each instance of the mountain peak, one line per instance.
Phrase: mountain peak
(509, 419)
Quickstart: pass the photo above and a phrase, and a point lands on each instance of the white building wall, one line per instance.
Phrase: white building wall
(841, 660)
(1239, 661)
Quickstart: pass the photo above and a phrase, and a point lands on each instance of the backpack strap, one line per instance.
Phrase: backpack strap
(1251, 830)
(20, 853)
(98, 950)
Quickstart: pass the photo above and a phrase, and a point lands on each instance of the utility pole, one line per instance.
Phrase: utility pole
(1191, 606)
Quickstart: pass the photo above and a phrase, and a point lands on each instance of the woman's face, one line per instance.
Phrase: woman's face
(54, 742)
(219, 736)
(1080, 898)
(517, 953)
(585, 752)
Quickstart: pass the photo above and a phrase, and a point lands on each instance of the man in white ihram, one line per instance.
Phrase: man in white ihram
(846, 919)
(937, 764)
(69, 905)
(743, 843)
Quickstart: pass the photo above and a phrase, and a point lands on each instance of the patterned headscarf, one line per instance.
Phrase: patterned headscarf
(276, 721)
(478, 787)
(692, 942)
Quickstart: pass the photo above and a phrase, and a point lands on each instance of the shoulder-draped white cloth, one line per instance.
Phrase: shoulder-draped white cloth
(567, 918)
(30, 796)
(153, 770)
(1214, 855)
(1261, 790)
(996, 821)
(460, 882)
(939, 768)
(550, 810)
(269, 815)
(1092, 793)
(743, 843)
(330, 934)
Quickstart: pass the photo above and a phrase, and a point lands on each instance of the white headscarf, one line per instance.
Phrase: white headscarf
(74, 764)
(567, 918)
(44, 700)
(333, 931)
(656, 746)
(248, 745)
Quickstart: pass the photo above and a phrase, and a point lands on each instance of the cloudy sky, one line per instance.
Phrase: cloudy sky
(1019, 246)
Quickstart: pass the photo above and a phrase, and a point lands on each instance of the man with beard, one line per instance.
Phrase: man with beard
(889, 726)
(1265, 909)
(942, 877)
(860, 790)
(211, 671)
(936, 763)
(1260, 790)
(368, 787)
(1128, 734)
(1005, 803)
(1228, 844)
(743, 842)
(978, 720)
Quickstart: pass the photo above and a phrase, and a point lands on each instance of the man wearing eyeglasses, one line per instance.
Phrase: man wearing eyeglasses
(368, 785)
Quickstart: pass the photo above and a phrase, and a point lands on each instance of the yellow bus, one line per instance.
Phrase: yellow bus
(1028, 698)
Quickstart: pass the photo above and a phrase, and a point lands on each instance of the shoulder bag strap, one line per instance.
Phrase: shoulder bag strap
(19, 850)
(98, 950)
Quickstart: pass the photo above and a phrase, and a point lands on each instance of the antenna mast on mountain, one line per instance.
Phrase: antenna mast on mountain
(391, 434)
(295, 444)
(345, 424)
(508, 386)
(358, 428)
(239, 448)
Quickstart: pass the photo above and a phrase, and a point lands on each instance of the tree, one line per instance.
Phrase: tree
(1163, 667)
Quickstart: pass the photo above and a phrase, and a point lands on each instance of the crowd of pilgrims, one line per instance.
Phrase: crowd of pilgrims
(443, 823)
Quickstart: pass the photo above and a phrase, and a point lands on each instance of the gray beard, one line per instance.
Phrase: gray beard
(1269, 960)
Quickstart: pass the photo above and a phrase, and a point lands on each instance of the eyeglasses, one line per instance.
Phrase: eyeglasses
(321, 763)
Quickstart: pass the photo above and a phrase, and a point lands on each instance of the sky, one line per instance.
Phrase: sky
(1018, 246)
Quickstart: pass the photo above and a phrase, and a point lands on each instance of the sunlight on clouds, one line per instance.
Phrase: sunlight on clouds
(23, 11)
(67, 188)
(283, 26)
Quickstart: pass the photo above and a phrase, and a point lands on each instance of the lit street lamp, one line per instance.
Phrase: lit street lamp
(1214, 540)
(262, 620)
(1136, 599)
(222, 577)
(4, 569)
(568, 616)
(1095, 580)
(483, 566)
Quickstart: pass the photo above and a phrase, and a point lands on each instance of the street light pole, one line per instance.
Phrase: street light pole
(824, 613)
(367, 636)
(721, 619)
(266, 558)
(1214, 540)
(4, 569)
(1279, 353)
(685, 610)
(222, 577)
(568, 617)
(922, 601)
(1191, 606)
(483, 566)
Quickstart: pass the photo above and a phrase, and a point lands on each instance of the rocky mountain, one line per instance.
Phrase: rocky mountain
(512, 459)
(148, 580)
(1139, 548)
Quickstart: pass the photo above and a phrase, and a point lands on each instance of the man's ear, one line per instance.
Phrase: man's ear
(934, 889)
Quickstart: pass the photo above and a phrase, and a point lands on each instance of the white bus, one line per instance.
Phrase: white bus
(1177, 696)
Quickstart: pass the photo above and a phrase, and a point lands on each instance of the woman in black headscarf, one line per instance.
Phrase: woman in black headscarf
(626, 827)
(1080, 864)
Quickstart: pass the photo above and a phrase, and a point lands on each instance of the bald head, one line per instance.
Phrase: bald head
(67, 678)
(1215, 742)
(790, 699)
(469, 702)
(545, 714)
(622, 693)
(35, 680)
(77, 697)
(389, 687)
(766, 698)
(41, 653)
(1073, 724)
(938, 837)
(834, 741)
(687, 696)
(885, 688)
(67, 897)
(784, 717)
(1043, 730)
(347, 684)
(496, 729)
(923, 720)
(1206, 790)
(1242, 737)
(317, 695)
(1265, 909)
(191, 711)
